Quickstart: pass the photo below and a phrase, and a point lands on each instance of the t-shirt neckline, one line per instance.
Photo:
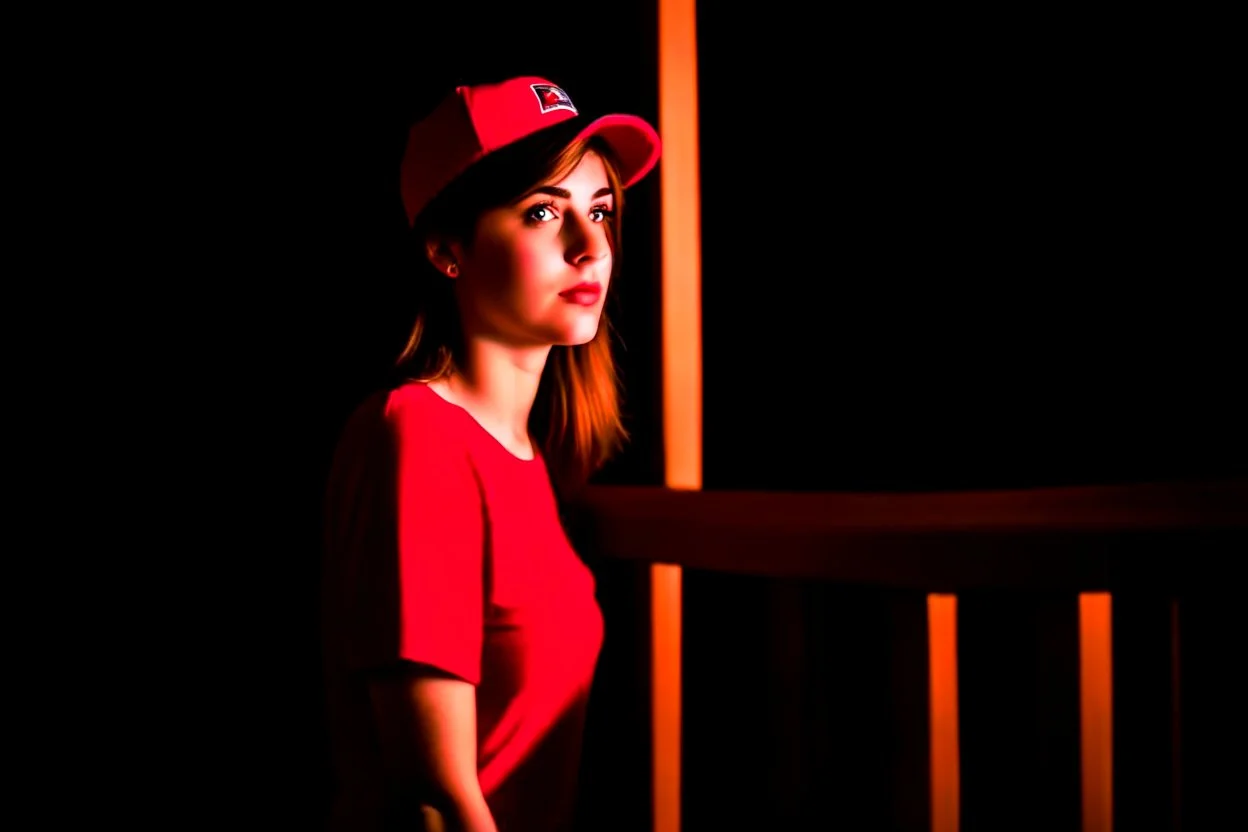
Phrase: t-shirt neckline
(491, 438)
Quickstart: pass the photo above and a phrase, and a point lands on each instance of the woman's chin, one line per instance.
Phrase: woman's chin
(582, 332)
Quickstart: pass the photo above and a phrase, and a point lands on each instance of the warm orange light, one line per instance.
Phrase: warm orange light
(942, 648)
(681, 243)
(1096, 715)
(682, 373)
(665, 696)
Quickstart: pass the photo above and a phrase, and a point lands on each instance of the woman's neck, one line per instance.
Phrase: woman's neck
(498, 386)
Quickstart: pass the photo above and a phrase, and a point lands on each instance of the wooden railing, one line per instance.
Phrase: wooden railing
(1072, 595)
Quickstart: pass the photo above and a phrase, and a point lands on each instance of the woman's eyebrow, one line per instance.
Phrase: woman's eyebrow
(563, 193)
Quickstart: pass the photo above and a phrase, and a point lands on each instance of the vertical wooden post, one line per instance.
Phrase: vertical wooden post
(942, 618)
(1096, 718)
(682, 371)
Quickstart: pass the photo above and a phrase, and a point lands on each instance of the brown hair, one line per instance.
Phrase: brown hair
(576, 417)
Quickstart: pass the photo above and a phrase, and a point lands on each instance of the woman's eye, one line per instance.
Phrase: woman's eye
(542, 212)
(600, 213)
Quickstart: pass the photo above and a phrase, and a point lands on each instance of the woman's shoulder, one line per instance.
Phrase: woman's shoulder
(412, 405)
(401, 409)
(408, 422)
(411, 398)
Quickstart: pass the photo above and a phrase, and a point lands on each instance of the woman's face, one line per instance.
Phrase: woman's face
(537, 271)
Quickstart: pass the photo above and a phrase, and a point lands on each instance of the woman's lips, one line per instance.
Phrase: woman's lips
(583, 294)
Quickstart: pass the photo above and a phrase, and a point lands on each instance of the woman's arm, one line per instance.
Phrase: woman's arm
(427, 726)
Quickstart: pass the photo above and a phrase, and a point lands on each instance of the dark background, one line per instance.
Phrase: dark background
(937, 254)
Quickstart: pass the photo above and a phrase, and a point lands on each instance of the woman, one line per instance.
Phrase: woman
(462, 629)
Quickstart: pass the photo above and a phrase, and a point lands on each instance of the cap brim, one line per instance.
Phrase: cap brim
(635, 142)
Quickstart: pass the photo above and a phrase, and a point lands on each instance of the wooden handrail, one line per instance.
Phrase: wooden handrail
(1085, 538)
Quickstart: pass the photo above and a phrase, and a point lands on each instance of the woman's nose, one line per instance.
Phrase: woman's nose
(587, 241)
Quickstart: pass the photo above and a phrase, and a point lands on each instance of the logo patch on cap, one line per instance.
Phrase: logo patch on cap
(551, 97)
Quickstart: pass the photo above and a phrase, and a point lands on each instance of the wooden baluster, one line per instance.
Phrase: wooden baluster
(942, 612)
(1096, 710)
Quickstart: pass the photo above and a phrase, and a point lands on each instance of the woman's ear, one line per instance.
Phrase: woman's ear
(443, 253)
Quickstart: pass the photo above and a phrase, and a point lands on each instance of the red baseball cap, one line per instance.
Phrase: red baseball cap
(474, 121)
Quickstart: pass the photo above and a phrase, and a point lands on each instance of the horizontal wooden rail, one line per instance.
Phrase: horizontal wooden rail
(1084, 538)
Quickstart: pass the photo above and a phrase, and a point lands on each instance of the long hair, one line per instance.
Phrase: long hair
(576, 418)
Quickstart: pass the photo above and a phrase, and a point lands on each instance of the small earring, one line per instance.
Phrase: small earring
(452, 270)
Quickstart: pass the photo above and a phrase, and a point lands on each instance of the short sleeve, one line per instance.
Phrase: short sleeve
(439, 536)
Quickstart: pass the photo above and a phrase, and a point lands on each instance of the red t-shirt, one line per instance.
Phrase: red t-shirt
(442, 547)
